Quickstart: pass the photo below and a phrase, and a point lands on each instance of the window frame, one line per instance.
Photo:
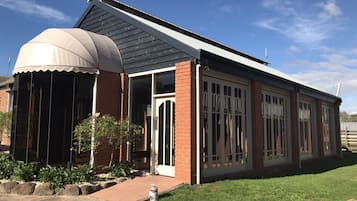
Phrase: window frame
(221, 165)
(331, 126)
(314, 133)
(275, 160)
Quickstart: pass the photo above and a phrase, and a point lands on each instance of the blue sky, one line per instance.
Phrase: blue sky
(313, 41)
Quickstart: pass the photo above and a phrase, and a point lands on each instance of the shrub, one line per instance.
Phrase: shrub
(60, 176)
(81, 173)
(53, 175)
(122, 169)
(23, 171)
(6, 166)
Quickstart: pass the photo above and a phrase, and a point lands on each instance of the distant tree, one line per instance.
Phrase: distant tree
(344, 116)
(353, 118)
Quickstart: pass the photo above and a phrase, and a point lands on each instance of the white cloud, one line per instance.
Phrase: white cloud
(226, 8)
(284, 7)
(304, 26)
(333, 68)
(34, 9)
(330, 9)
(292, 49)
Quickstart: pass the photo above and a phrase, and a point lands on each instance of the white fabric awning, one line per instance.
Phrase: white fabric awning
(69, 50)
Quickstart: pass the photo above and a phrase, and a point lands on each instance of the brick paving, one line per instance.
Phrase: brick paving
(137, 188)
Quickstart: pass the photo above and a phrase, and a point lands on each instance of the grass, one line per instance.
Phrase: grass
(334, 181)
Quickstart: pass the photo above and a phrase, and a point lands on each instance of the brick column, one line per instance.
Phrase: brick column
(185, 122)
(257, 125)
(294, 127)
(108, 99)
(124, 86)
(337, 128)
(124, 82)
(320, 141)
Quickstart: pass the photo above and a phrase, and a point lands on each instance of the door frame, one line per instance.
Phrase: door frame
(166, 170)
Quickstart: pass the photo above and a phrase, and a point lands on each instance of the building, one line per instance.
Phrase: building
(208, 111)
(6, 98)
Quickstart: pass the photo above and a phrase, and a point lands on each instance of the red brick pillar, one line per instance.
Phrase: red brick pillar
(124, 82)
(257, 125)
(108, 98)
(320, 140)
(294, 128)
(185, 122)
(337, 128)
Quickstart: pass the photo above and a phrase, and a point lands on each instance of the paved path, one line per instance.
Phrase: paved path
(136, 189)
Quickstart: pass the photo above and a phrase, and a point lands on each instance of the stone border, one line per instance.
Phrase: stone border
(45, 189)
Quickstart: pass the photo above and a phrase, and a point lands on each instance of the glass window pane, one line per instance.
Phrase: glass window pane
(165, 82)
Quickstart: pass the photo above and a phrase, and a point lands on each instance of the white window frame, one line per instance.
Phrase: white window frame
(274, 159)
(303, 116)
(328, 122)
(154, 96)
(234, 161)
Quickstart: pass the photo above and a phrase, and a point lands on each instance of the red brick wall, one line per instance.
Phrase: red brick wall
(320, 141)
(257, 125)
(185, 122)
(108, 94)
(337, 128)
(4, 99)
(294, 128)
(108, 102)
(124, 82)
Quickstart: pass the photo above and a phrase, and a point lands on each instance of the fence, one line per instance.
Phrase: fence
(349, 135)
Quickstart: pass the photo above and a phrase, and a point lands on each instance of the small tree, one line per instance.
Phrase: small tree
(5, 123)
(98, 127)
(104, 127)
(127, 132)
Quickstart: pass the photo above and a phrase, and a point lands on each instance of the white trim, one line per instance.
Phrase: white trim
(153, 126)
(164, 95)
(198, 126)
(161, 70)
(94, 109)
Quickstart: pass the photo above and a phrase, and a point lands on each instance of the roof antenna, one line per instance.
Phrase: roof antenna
(8, 65)
(338, 89)
(266, 54)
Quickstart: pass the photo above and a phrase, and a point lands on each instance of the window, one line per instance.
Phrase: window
(306, 128)
(165, 82)
(275, 116)
(225, 126)
(328, 133)
(140, 91)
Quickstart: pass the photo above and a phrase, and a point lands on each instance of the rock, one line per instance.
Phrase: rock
(108, 184)
(97, 187)
(87, 189)
(70, 190)
(7, 186)
(44, 189)
(121, 179)
(26, 188)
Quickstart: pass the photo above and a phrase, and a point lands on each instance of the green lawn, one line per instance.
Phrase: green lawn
(329, 182)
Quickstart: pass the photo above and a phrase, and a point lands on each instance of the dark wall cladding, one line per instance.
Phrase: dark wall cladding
(140, 50)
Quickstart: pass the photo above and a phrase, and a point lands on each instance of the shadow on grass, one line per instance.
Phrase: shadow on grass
(348, 159)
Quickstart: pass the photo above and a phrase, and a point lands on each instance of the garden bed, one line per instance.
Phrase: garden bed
(46, 188)
(22, 178)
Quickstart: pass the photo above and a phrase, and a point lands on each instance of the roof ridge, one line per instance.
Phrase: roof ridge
(179, 29)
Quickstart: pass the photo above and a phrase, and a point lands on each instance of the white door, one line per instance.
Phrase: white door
(165, 136)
